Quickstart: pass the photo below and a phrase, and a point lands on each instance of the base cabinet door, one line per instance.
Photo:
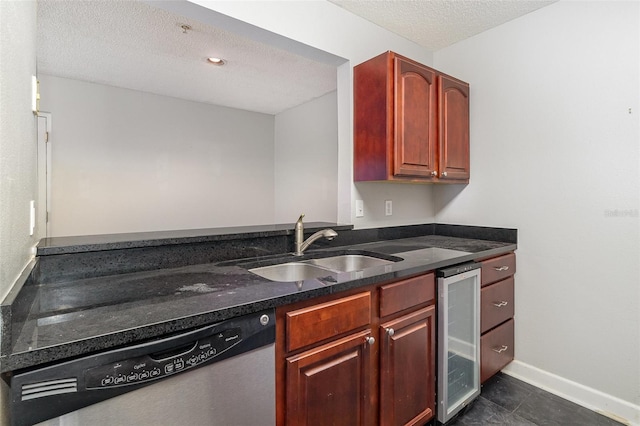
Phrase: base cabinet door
(407, 368)
(331, 384)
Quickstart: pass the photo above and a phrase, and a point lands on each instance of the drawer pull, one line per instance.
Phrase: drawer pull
(502, 349)
(500, 304)
(501, 268)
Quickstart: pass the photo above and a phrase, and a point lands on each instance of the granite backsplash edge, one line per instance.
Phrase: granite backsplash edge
(106, 260)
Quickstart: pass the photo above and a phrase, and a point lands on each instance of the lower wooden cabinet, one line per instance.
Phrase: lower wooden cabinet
(375, 372)
(497, 311)
(331, 384)
(407, 369)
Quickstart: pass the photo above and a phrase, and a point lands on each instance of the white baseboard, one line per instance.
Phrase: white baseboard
(600, 402)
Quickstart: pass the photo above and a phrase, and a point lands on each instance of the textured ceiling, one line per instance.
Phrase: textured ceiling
(135, 45)
(435, 24)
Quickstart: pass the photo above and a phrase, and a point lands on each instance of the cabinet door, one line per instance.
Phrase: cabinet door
(454, 129)
(407, 362)
(331, 384)
(415, 119)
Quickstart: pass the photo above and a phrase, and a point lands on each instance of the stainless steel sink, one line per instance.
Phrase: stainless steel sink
(292, 271)
(315, 268)
(349, 262)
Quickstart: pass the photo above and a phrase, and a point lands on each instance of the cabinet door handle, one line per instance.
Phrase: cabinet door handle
(434, 173)
(500, 304)
(369, 340)
(443, 174)
(502, 349)
(501, 268)
(390, 332)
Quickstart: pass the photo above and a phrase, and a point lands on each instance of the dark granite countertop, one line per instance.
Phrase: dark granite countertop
(70, 317)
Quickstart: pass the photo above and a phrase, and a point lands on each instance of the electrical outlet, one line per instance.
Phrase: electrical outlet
(388, 208)
(359, 208)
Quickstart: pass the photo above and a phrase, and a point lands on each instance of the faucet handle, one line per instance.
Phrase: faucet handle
(300, 218)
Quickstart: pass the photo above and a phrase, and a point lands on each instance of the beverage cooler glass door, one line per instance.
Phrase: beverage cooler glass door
(459, 342)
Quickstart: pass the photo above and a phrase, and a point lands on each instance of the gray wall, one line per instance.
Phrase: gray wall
(18, 151)
(306, 161)
(18, 180)
(129, 161)
(554, 152)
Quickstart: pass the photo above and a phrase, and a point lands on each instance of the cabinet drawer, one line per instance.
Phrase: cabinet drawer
(319, 322)
(497, 304)
(405, 294)
(498, 268)
(496, 350)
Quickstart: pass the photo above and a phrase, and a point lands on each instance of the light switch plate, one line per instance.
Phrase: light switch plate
(359, 208)
(32, 216)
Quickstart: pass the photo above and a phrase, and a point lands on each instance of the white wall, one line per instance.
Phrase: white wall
(555, 153)
(129, 161)
(327, 27)
(18, 180)
(411, 204)
(306, 166)
(18, 150)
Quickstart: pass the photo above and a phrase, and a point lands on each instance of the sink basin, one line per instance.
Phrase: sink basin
(316, 268)
(349, 262)
(291, 271)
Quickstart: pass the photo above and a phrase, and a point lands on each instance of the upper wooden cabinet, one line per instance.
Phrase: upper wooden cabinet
(411, 122)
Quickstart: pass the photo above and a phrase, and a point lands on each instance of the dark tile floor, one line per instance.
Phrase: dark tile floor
(507, 401)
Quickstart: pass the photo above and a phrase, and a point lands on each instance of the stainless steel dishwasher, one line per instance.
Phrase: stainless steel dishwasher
(222, 374)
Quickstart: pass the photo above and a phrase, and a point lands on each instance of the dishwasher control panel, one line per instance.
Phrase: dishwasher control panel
(161, 364)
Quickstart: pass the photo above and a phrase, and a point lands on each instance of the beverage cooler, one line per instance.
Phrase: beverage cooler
(458, 338)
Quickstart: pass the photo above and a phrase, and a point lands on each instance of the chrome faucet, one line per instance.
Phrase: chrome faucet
(301, 246)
